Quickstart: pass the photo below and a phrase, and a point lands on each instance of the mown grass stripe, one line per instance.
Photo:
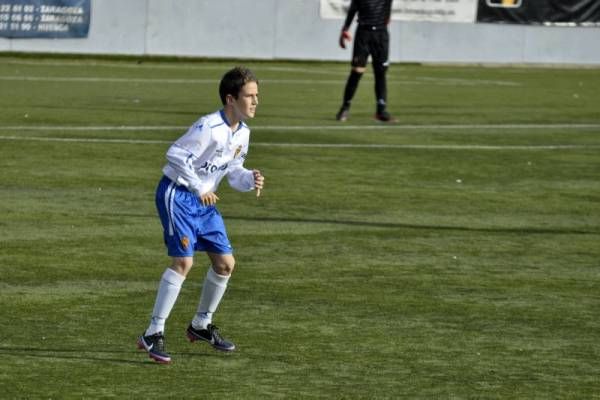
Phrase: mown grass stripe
(320, 145)
(308, 127)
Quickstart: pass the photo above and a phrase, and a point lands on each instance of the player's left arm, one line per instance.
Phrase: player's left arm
(241, 178)
(245, 180)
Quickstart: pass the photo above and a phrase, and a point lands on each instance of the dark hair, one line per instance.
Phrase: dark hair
(233, 81)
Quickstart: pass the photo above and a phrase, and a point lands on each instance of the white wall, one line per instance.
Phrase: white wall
(293, 29)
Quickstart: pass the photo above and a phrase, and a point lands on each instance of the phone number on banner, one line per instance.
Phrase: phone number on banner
(44, 18)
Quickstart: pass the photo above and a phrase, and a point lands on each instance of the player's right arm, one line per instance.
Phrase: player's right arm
(352, 10)
(345, 35)
(209, 199)
(181, 156)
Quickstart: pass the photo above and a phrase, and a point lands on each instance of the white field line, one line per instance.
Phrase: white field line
(465, 82)
(93, 128)
(341, 80)
(315, 145)
(341, 71)
(90, 79)
(162, 80)
(338, 127)
(174, 66)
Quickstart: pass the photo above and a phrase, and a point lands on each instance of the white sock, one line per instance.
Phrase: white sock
(213, 290)
(168, 290)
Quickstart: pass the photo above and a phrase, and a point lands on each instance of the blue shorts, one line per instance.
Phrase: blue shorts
(188, 226)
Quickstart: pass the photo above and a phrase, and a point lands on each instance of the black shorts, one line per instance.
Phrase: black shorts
(373, 42)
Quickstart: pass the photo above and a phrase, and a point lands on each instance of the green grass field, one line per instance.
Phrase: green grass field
(453, 255)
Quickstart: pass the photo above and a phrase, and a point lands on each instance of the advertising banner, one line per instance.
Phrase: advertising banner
(541, 12)
(44, 18)
(413, 10)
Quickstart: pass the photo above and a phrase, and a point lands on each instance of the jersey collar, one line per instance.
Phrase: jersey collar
(224, 117)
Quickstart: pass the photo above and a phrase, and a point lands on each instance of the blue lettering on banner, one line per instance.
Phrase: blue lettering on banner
(44, 18)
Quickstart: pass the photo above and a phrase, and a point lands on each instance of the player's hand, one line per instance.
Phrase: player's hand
(345, 36)
(259, 181)
(209, 199)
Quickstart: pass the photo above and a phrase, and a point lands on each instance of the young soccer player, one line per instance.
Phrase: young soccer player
(213, 148)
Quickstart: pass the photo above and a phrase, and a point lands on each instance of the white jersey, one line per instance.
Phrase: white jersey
(209, 151)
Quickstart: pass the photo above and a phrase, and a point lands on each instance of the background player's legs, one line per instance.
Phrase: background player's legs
(380, 70)
(379, 46)
(360, 55)
(351, 85)
(168, 291)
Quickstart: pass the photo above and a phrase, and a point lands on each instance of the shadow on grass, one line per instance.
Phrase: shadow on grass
(123, 357)
(391, 225)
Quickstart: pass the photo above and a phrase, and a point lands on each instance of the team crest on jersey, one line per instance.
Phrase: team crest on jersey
(185, 242)
(237, 151)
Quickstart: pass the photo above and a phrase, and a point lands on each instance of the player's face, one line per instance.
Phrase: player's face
(245, 104)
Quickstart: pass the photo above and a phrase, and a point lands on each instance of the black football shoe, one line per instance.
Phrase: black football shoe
(210, 335)
(342, 115)
(154, 345)
(384, 116)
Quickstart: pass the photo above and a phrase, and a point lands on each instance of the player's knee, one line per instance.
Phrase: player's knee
(224, 266)
(359, 70)
(182, 265)
(380, 68)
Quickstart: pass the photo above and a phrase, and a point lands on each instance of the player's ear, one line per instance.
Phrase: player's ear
(229, 99)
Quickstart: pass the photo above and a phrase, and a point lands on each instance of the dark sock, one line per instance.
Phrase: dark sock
(380, 89)
(351, 86)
